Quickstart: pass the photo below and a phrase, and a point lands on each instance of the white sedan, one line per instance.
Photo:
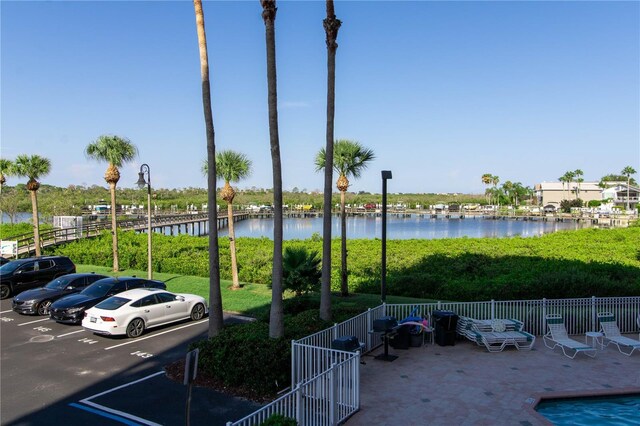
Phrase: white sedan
(133, 311)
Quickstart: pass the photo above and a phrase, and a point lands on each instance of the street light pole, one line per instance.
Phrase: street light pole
(141, 183)
(386, 174)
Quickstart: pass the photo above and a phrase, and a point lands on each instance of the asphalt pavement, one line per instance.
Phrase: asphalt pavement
(52, 373)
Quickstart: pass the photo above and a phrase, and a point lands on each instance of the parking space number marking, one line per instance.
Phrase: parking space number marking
(89, 341)
(142, 354)
(5, 319)
(42, 329)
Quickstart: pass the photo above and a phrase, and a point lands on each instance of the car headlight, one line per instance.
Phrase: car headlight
(74, 310)
(28, 302)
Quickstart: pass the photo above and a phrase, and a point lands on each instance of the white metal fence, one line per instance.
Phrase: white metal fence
(325, 400)
(325, 382)
(580, 315)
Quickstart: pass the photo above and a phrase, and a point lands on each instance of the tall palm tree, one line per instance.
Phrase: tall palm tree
(6, 169)
(33, 167)
(276, 316)
(486, 179)
(495, 180)
(628, 171)
(578, 173)
(232, 167)
(331, 26)
(349, 160)
(563, 179)
(116, 151)
(568, 178)
(216, 320)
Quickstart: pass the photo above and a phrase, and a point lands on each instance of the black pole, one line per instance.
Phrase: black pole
(386, 174)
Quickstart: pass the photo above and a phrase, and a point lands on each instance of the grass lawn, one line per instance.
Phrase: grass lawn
(251, 299)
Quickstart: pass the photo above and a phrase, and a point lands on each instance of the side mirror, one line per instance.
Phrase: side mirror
(180, 298)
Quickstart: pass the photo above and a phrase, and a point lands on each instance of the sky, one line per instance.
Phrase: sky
(442, 92)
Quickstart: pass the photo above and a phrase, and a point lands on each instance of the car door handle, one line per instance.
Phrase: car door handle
(168, 306)
(146, 310)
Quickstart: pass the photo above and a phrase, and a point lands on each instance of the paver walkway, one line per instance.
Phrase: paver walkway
(466, 385)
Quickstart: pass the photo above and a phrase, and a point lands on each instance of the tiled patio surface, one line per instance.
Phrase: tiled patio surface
(466, 385)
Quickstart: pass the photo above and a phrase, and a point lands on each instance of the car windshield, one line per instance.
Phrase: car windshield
(60, 283)
(112, 303)
(97, 289)
(9, 267)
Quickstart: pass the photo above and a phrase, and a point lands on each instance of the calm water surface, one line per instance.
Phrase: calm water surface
(399, 228)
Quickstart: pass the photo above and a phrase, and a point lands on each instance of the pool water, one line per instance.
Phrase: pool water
(609, 410)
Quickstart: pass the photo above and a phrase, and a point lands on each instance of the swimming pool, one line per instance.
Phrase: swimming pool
(602, 410)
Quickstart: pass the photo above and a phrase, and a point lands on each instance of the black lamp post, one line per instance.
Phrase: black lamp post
(144, 169)
(386, 174)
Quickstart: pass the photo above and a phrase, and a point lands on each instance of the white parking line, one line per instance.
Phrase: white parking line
(73, 332)
(117, 412)
(4, 312)
(158, 334)
(33, 322)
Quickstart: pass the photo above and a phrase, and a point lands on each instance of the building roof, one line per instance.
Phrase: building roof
(559, 186)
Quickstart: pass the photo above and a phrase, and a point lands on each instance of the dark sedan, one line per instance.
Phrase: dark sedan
(70, 309)
(38, 300)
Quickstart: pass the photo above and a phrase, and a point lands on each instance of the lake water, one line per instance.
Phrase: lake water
(398, 228)
(402, 228)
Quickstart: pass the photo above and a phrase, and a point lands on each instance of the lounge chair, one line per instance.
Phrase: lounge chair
(612, 335)
(497, 334)
(557, 337)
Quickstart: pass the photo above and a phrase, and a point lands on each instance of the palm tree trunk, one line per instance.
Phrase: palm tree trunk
(331, 26)
(114, 226)
(628, 184)
(36, 222)
(232, 248)
(216, 320)
(344, 286)
(276, 316)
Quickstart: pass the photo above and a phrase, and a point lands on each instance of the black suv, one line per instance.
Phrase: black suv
(70, 309)
(23, 274)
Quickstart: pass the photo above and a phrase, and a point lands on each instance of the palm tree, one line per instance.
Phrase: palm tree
(331, 26)
(6, 169)
(578, 173)
(568, 178)
(349, 159)
(216, 321)
(33, 167)
(563, 179)
(628, 171)
(276, 316)
(495, 180)
(116, 151)
(232, 167)
(486, 179)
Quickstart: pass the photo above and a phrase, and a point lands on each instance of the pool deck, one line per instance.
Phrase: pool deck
(466, 385)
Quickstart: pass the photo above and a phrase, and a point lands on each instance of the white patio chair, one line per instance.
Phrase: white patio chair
(612, 335)
(557, 337)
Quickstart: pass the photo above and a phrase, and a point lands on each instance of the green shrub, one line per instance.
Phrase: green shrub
(446, 269)
(243, 356)
(279, 420)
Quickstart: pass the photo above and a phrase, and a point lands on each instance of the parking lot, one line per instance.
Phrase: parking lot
(53, 371)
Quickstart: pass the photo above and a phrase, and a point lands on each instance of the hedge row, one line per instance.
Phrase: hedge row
(599, 262)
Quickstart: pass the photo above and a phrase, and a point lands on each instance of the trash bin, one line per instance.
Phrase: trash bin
(445, 323)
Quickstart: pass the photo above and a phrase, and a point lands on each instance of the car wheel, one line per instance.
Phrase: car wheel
(5, 291)
(43, 307)
(197, 312)
(135, 328)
